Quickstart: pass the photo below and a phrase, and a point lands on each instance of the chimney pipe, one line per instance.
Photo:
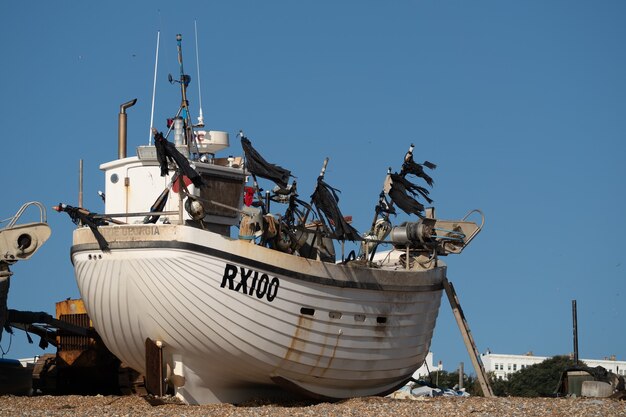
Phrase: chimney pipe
(121, 129)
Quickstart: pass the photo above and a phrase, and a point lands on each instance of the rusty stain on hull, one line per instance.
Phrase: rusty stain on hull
(332, 356)
(296, 346)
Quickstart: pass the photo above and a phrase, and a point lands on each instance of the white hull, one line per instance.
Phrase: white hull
(332, 331)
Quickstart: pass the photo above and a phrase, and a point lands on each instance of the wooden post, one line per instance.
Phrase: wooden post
(154, 368)
(467, 338)
(461, 373)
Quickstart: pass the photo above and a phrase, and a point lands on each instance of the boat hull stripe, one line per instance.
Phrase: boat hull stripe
(251, 263)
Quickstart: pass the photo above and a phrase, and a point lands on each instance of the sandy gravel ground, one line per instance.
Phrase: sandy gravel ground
(73, 405)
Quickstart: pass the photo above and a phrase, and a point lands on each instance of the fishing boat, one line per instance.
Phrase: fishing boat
(222, 292)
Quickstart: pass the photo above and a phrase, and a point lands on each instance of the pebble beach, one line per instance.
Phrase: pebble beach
(113, 406)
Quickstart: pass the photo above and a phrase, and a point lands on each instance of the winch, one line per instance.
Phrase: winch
(442, 236)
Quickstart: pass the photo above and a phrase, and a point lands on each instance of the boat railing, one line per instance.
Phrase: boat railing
(21, 241)
(16, 217)
(113, 216)
(479, 228)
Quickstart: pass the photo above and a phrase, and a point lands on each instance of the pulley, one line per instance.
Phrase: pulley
(194, 208)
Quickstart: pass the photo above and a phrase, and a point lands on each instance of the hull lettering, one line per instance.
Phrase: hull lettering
(250, 282)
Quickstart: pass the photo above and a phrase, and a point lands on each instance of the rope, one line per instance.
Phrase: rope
(246, 228)
(271, 226)
(455, 235)
(403, 261)
(4, 352)
(430, 259)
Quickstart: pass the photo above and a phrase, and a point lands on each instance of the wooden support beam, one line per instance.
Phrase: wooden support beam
(467, 338)
(154, 377)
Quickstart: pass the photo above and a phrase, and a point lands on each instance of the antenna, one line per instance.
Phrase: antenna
(156, 64)
(200, 117)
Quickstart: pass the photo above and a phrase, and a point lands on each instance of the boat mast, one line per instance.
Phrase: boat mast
(156, 65)
(184, 82)
(200, 116)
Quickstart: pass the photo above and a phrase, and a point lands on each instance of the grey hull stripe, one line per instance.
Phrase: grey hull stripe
(250, 263)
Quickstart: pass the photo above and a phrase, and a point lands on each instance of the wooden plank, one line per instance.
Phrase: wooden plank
(154, 368)
(467, 338)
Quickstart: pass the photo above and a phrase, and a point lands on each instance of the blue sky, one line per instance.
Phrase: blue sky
(521, 105)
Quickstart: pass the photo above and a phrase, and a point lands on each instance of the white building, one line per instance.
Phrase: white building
(426, 367)
(503, 365)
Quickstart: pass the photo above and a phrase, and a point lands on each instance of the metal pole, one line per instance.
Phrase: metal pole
(80, 183)
(439, 368)
(575, 330)
(184, 80)
(322, 173)
(122, 128)
(461, 375)
(183, 83)
(5, 281)
(181, 184)
(156, 66)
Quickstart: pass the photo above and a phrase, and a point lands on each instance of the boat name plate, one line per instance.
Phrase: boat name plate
(131, 231)
(251, 282)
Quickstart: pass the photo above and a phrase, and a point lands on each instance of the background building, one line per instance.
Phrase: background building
(503, 365)
(427, 366)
